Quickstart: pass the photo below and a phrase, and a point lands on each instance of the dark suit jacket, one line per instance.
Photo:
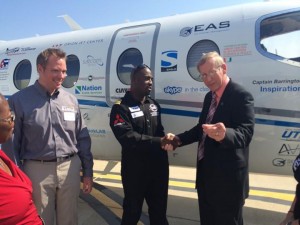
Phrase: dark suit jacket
(224, 168)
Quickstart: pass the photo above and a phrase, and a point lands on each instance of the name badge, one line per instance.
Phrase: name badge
(154, 113)
(134, 109)
(69, 116)
(68, 108)
(137, 114)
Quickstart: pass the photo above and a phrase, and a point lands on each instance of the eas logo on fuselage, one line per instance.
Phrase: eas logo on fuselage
(197, 29)
(169, 61)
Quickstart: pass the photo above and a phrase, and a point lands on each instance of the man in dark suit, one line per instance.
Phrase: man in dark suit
(224, 132)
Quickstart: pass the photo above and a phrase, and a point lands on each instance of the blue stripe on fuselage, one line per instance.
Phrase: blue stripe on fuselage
(178, 112)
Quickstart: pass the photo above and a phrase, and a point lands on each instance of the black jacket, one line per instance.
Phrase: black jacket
(138, 128)
(225, 164)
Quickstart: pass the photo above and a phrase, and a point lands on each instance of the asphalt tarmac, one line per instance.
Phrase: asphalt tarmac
(269, 200)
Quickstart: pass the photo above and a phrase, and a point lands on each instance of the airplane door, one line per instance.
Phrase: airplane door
(130, 46)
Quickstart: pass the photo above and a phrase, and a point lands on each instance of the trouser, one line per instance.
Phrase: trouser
(222, 206)
(56, 188)
(149, 185)
(297, 203)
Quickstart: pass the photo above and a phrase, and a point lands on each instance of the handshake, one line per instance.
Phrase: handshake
(170, 142)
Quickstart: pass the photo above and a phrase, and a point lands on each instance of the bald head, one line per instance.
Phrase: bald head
(141, 82)
(137, 71)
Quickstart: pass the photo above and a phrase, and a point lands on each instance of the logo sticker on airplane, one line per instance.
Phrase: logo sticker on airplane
(88, 89)
(92, 61)
(186, 31)
(98, 132)
(172, 90)
(205, 28)
(291, 135)
(169, 61)
(4, 64)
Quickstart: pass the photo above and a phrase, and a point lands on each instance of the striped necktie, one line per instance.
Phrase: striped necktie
(210, 114)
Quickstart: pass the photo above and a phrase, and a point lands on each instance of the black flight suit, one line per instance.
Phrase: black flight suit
(144, 165)
(296, 170)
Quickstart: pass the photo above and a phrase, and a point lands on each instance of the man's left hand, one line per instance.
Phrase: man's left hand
(215, 131)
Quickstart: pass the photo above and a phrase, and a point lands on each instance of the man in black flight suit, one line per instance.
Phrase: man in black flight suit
(136, 123)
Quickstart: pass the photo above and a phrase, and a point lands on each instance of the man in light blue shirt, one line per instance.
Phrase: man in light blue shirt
(52, 141)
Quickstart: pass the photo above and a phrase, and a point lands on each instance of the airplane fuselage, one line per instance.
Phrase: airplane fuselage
(260, 43)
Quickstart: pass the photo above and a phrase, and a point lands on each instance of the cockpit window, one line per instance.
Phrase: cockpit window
(279, 36)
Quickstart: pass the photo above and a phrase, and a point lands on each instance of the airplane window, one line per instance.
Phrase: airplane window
(280, 35)
(22, 74)
(195, 54)
(129, 59)
(73, 70)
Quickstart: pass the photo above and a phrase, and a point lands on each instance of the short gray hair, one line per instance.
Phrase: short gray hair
(211, 55)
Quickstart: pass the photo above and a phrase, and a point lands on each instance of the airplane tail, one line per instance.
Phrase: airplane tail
(71, 23)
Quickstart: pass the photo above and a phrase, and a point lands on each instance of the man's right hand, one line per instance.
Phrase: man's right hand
(170, 142)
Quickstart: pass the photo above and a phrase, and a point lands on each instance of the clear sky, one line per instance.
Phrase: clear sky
(28, 18)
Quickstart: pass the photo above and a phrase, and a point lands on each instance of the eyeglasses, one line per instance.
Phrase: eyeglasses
(210, 74)
(10, 119)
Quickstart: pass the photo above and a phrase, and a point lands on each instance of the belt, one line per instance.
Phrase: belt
(58, 159)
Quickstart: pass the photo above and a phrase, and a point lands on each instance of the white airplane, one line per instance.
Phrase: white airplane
(259, 41)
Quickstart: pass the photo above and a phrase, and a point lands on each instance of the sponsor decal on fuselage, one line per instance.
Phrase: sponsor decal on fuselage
(88, 89)
(205, 28)
(169, 61)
